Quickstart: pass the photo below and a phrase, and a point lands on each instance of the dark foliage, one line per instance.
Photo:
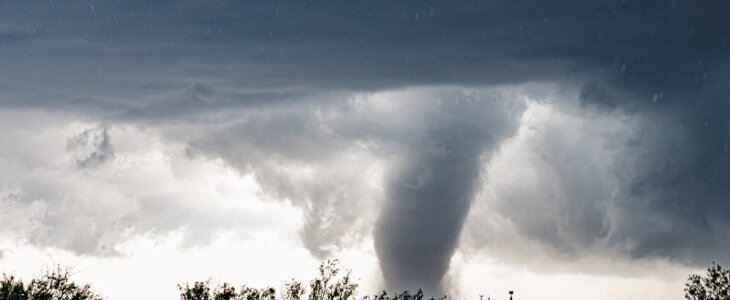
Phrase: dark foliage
(405, 295)
(55, 284)
(715, 285)
(330, 284)
(12, 289)
(327, 286)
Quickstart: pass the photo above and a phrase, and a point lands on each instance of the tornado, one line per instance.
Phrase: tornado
(430, 191)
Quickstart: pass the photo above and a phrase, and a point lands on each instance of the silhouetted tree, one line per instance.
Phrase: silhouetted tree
(293, 290)
(405, 295)
(225, 292)
(715, 285)
(12, 289)
(268, 293)
(199, 291)
(55, 284)
(323, 289)
(327, 286)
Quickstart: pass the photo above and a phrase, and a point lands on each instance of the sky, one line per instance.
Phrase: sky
(561, 149)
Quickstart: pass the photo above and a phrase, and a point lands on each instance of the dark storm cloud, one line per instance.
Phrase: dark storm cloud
(120, 56)
(663, 64)
(123, 56)
(678, 202)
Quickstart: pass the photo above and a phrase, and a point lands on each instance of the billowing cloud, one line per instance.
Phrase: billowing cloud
(585, 184)
(53, 197)
(91, 147)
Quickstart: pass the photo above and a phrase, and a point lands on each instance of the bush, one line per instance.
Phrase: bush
(715, 285)
(330, 284)
(327, 286)
(12, 289)
(55, 284)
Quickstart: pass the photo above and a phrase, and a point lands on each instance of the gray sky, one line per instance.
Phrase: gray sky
(568, 138)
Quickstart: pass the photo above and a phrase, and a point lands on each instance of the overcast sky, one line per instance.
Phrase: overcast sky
(561, 149)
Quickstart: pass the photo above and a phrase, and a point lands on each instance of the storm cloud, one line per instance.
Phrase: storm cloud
(590, 128)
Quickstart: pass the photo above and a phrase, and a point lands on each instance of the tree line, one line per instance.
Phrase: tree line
(331, 283)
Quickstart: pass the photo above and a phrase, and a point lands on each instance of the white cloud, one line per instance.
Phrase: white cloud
(550, 188)
(150, 185)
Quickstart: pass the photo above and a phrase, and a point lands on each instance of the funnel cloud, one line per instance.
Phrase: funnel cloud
(430, 192)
